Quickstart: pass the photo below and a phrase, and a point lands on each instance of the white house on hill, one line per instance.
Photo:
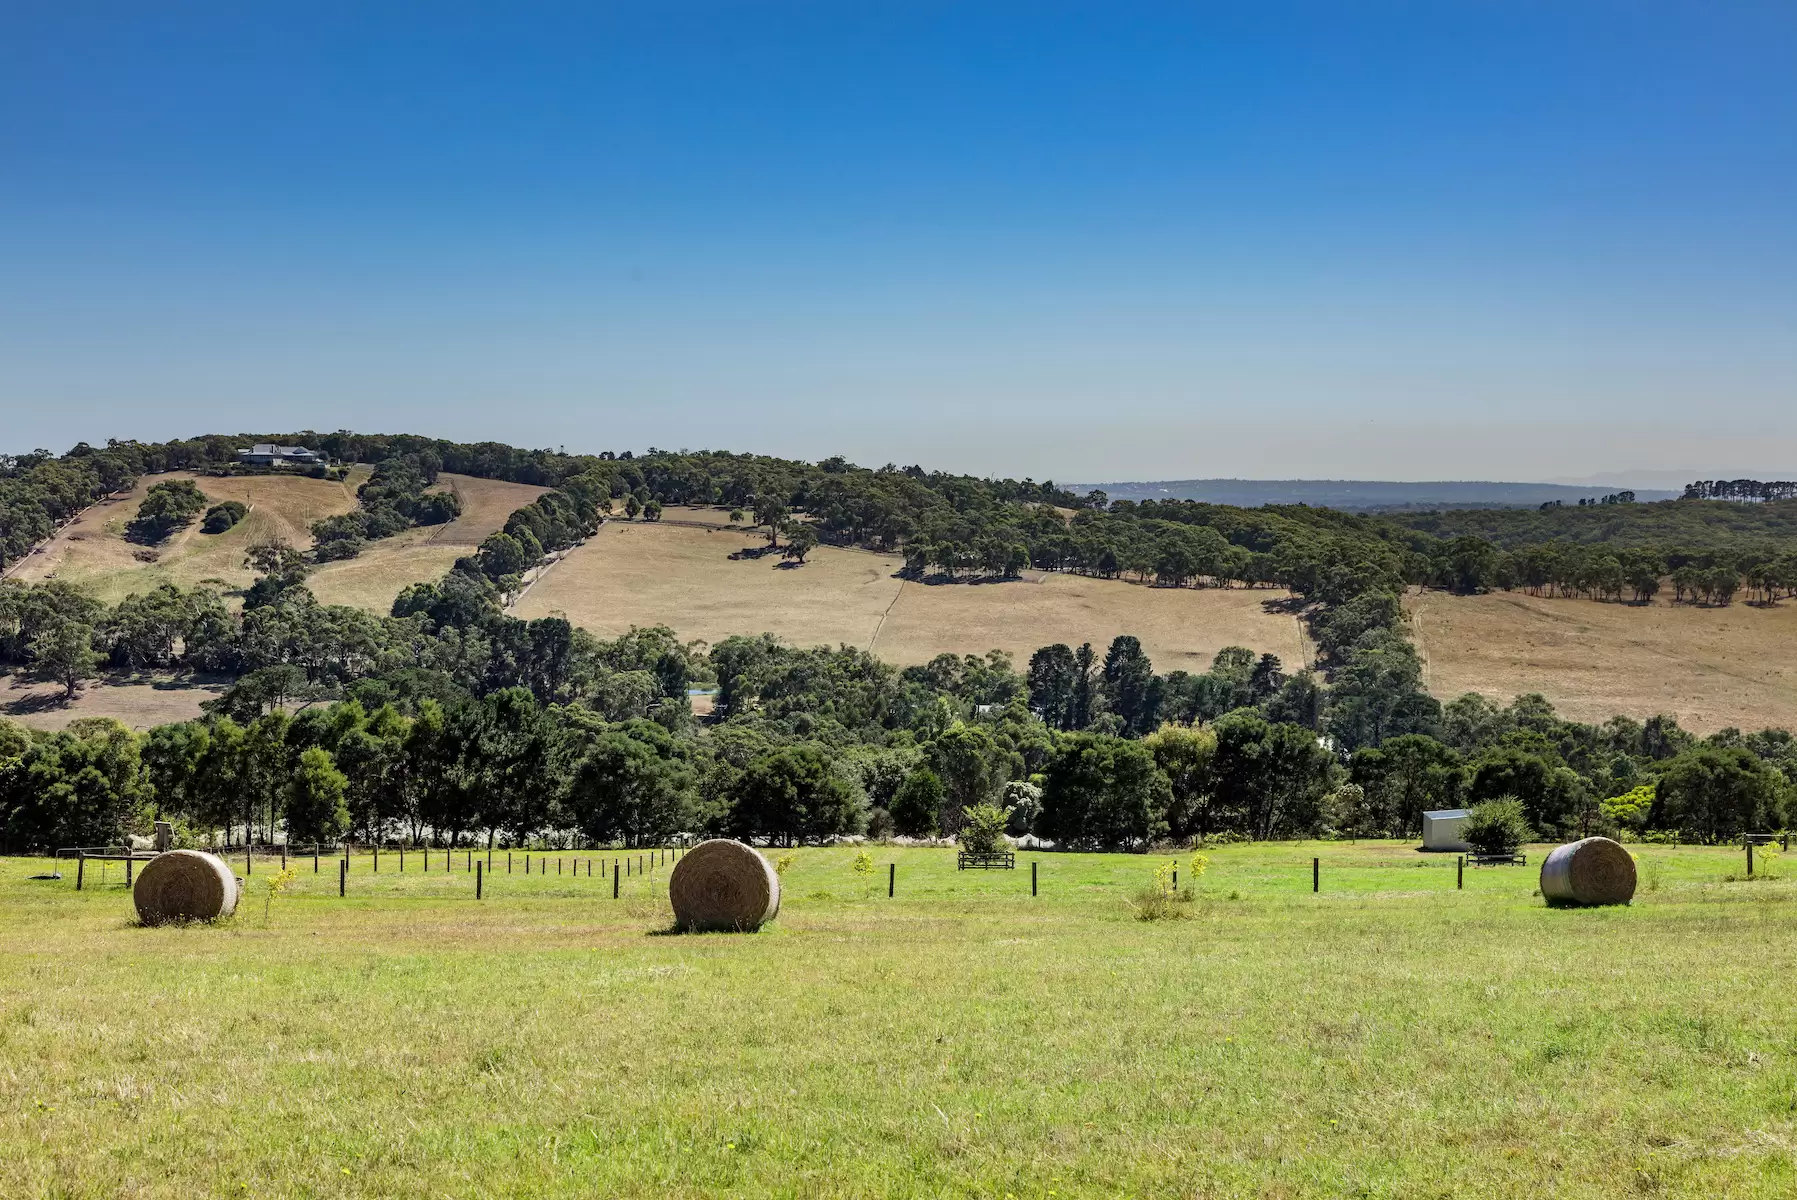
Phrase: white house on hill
(267, 454)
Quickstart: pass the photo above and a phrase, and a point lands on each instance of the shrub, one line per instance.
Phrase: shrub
(1496, 826)
(341, 548)
(984, 832)
(879, 824)
(221, 517)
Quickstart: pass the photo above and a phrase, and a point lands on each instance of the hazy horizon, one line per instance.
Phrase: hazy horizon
(1087, 242)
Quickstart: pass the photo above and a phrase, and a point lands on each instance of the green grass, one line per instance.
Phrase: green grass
(1390, 1036)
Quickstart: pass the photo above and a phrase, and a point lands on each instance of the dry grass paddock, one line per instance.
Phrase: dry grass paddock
(1709, 667)
(140, 702)
(93, 553)
(645, 574)
(486, 503)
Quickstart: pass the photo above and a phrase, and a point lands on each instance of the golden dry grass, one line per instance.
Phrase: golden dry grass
(375, 577)
(93, 553)
(139, 703)
(486, 503)
(645, 574)
(1709, 667)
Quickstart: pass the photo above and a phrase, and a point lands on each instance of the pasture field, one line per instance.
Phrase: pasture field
(1388, 1037)
(636, 573)
(486, 503)
(139, 701)
(93, 553)
(1709, 667)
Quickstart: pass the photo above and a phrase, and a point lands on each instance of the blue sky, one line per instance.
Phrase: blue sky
(1405, 240)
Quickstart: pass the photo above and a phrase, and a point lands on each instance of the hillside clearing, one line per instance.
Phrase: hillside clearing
(92, 551)
(1709, 667)
(139, 702)
(649, 574)
(486, 503)
(1389, 1037)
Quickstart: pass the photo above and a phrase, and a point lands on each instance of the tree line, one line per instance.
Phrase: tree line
(598, 744)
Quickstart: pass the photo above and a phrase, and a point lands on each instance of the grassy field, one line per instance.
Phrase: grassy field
(140, 701)
(1709, 667)
(92, 550)
(644, 574)
(1390, 1036)
(486, 503)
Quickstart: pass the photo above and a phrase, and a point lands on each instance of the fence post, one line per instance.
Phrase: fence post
(377, 858)
(402, 858)
(343, 877)
(314, 858)
(508, 862)
(80, 869)
(1176, 874)
(128, 862)
(283, 856)
(1032, 877)
(1460, 873)
(1750, 860)
(891, 879)
(247, 860)
(1316, 875)
(471, 860)
(614, 879)
(478, 874)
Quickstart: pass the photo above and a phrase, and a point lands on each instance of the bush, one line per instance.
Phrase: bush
(984, 832)
(341, 548)
(1496, 827)
(879, 824)
(221, 517)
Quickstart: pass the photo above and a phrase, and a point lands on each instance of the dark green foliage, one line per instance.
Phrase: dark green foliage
(632, 783)
(1496, 826)
(1716, 794)
(1102, 791)
(918, 803)
(1552, 795)
(315, 808)
(166, 507)
(792, 796)
(223, 516)
(1271, 778)
(85, 786)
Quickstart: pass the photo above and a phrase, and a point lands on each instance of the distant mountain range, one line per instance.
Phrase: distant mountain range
(1364, 495)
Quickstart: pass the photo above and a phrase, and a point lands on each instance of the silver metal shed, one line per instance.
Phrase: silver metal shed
(1441, 829)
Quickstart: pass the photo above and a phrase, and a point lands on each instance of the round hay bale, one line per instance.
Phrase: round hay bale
(723, 884)
(184, 885)
(1593, 870)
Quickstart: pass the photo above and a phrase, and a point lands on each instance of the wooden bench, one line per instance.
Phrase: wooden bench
(1505, 858)
(998, 860)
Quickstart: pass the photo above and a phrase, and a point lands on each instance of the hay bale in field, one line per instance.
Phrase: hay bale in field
(723, 884)
(184, 885)
(1593, 870)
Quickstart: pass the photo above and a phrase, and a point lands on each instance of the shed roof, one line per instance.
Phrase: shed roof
(1448, 814)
